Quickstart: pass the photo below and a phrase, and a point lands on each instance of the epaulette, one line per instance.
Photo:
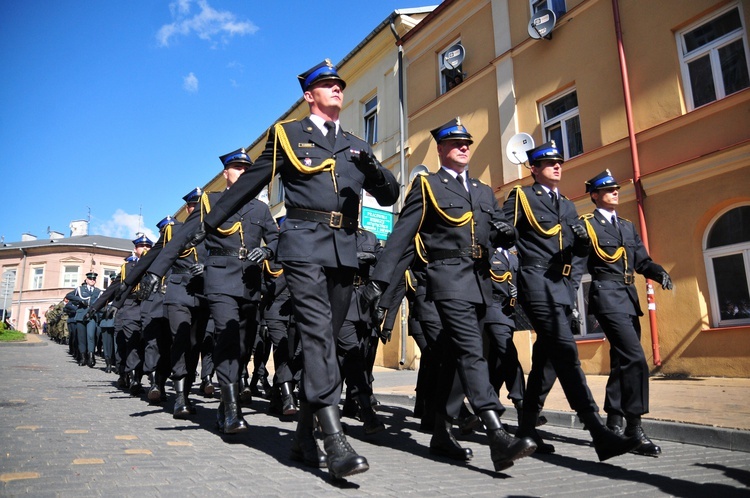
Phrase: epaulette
(515, 187)
(355, 136)
(620, 218)
(477, 180)
(586, 216)
(564, 196)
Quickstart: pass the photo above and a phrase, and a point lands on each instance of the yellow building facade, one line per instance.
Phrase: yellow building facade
(679, 128)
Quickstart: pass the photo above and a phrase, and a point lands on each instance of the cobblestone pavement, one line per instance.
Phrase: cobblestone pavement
(67, 430)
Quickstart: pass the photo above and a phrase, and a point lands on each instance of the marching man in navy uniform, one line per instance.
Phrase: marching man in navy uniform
(458, 223)
(323, 169)
(616, 254)
(550, 239)
(84, 296)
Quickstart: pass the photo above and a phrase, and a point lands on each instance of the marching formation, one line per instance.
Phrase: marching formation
(232, 285)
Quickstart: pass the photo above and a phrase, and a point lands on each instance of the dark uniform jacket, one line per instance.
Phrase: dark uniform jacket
(541, 260)
(311, 241)
(458, 261)
(276, 304)
(504, 272)
(183, 288)
(82, 298)
(609, 292)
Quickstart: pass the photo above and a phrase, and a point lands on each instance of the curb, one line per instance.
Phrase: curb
(31, 340)
(681, 432)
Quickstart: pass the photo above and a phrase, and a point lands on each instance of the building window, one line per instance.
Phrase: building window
(37, 277)
(562, 123)
(713, 56)
(109, 277)
(587, 326)
(70, 276)
(726, 255)
(7, 285)
(556, 6)
(450, 75)
(370, 112)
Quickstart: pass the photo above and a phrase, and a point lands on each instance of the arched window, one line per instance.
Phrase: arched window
(727, 257)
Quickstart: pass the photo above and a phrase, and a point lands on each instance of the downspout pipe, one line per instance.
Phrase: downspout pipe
(402, 165)
(636, 179)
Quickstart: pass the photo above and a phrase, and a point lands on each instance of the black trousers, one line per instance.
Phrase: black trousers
(157, 340)
(627, 386)
(320, 301)
(555, 346)
(353, 345)
(283, 349)
(438, 382)
(235, 327)
(463, 323)
(207, 350)
(129, 338)
(503, 361)
(188, 326)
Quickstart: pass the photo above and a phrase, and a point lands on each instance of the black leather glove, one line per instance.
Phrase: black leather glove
(579, 231)
(121, 289)
(513, 290)
(196, 269)
(503, 228)
(366, 257)
(89, 315)
(110, 313)
(196, 238)
(370, 298)
(369, 165)
(148, 285)
(384, 334)
(666, 281)
(259, 255)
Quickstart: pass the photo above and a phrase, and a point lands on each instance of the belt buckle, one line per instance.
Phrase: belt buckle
(629, 278)
(512, 302)
(476, 251)
(242, 253)
(336, 220)
(566, 270)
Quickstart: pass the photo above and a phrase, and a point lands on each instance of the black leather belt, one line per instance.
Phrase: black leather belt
(333, 219)
(564, 269)
(475, 252)
(180, 271)
(504, 300)
(627, 278)
(241, 253)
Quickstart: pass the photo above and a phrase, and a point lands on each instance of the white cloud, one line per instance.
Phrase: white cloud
(190, 83)
(124, 226)
(206, 24)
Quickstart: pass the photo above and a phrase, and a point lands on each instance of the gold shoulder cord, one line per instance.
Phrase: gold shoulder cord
(619, 253)
(501, 278)
(521, 197)
(281, 138)
(456, 222)
(226, 232)
(409, 282)
(267, 267)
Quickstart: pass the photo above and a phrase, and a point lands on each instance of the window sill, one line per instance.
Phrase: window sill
(728, 328)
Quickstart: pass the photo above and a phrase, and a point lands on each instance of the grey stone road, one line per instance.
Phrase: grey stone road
(68, 431)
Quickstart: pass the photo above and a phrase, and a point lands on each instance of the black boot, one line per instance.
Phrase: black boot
(504, 448)
(606, 443)
(154, 390)
(107, 365)
(181, 404)
(443, 443)
(136, 388)
(615, 423)
(207, 387)
(245, 396)
(527, 423)
(305, 447)
(83, 359)
(233, 421)
(288, 407)
(371, 423)
(341, 459)
(467, 422)
(634, 429)
(92, 360)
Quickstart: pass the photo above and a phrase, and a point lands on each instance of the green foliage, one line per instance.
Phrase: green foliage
(7, 335)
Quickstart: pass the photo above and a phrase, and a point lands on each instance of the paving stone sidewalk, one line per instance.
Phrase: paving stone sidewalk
(67, 430)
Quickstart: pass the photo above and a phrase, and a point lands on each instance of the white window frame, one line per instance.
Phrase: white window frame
(561, 121)
(537, 5)
(442, 71)
(728, 250)
(11, 285)
(712, 49)
(36, 278)
(70, 279)
(370, 119)
(582, 305)
(109, 276)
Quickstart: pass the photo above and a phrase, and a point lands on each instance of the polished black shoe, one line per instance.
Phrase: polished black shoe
(305, 447)
(245, 396)
(606, 443)
(615, 423)
(467, 425)
(341, 459)
(92, 361)
(182, 409)
(107, 365)
(647, 447)
(370, 421)
(136, 388)
(542, 448)
(233, 421)
(122, 381)
(207, 387)
(154, 390)
(444, 444)
(505, 449)
(83, 359)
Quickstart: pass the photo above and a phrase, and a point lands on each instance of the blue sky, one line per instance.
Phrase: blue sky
(113, 108)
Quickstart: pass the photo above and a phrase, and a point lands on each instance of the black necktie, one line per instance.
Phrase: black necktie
(555, 201)
(331, 135)
(460, 179)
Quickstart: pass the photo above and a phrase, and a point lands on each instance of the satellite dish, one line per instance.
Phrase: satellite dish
(454, 56)
(517, 147)
(418, 169)
(542, 24)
